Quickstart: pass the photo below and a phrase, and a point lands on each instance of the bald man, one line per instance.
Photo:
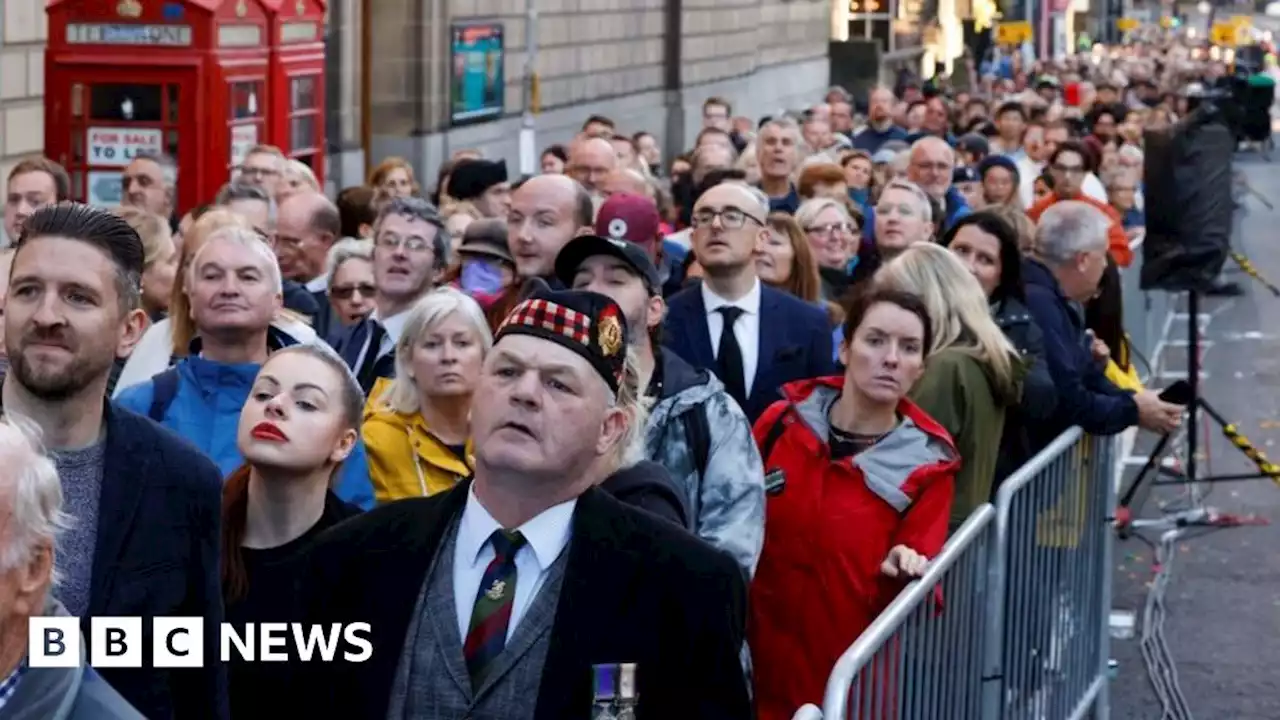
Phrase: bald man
(591, 159)
(930, 163)
(307, 226)
(753, 337)
(626, 181)
(547, 211)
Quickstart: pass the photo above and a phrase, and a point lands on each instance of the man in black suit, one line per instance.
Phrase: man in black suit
(410, 252)
(145, 503)
(499, 597)
(753, 337)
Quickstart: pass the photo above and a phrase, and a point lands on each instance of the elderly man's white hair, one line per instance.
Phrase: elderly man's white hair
(1069, 228)
(30, 484)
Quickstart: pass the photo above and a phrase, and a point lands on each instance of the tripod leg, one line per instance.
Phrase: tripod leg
(1242, 443)
(1148, 468)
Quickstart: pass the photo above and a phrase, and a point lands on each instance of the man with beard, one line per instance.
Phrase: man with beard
(880, 125)
(146, 504)
(695, 430)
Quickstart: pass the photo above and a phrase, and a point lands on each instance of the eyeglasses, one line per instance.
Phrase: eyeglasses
(249, 171)
(732, 218)
(345, 292)
(831, 228)
(413, 243)
(1069, 169)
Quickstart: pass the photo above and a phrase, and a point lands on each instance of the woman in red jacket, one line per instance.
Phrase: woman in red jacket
(867, 485)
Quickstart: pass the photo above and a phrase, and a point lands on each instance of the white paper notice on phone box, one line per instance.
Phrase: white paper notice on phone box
(117, 147)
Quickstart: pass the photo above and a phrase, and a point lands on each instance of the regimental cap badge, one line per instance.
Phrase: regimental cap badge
(300, 7)
(242, 9)
(129, 9)
(610, 333)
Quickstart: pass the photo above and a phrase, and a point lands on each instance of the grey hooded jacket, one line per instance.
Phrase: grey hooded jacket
(77, 693)
(726, 504)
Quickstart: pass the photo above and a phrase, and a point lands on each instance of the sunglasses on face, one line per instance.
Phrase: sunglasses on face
(345, 292)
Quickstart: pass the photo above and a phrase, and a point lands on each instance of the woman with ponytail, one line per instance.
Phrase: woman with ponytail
(301, 421)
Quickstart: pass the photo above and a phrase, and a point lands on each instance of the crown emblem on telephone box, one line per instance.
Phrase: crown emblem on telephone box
(129, 9)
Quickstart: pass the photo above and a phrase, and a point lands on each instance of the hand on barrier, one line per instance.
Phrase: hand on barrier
(904, 562)
(808, 712)
(1155, 414)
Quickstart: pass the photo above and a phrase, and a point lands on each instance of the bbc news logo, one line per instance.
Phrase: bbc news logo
(179, 642)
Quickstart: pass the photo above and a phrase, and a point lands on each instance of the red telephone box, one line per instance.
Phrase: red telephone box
(188, 77)
(297, 80)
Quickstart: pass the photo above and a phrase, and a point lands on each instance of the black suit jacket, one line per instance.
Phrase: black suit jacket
(795, 342)
(157, 555)
(636, 589)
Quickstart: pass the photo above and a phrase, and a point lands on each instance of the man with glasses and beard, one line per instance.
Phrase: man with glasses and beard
(146, 504)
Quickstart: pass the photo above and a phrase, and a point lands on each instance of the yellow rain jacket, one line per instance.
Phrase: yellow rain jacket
(405, 458)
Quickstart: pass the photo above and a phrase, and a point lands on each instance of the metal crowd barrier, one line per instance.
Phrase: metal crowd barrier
(1147, 316)
(1010, 621)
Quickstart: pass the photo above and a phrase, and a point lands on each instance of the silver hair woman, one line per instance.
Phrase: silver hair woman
(417, 425)
(973, 372)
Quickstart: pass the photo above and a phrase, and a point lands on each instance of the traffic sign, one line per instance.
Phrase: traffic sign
(1014, 33)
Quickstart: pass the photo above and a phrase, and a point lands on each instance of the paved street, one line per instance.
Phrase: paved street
(1223, 624)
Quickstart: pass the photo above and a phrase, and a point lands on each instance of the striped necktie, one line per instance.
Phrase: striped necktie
(491, 614)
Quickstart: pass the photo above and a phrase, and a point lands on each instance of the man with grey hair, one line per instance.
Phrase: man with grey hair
(778, 151)
(150, 182)
(1070, 256)
(258, 207)
(31, 518)
(410, 253)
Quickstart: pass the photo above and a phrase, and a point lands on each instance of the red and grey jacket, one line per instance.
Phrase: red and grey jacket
(818, 584)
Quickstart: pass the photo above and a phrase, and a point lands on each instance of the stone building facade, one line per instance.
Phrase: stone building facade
(389, 72)
(23, 29)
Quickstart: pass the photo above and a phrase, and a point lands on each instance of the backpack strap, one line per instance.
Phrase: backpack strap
(164, 387)
(697, 433)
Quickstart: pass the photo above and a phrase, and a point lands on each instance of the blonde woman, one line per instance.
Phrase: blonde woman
(169, 339)
(973, 374)
(416, 425)
(160, 259)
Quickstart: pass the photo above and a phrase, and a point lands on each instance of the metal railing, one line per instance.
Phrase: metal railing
(1009, 622)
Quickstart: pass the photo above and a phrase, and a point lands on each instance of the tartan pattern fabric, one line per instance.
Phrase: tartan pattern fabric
(552, 317)
(491, 614)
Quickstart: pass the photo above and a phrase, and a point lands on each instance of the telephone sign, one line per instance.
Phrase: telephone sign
(117, 147)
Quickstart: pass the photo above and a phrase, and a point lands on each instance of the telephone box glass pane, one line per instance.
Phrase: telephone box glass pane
(77, 100)
(302, 95)
(130, 103)
(303, 132)
(171, 143)
(246, 99)
(173, 104)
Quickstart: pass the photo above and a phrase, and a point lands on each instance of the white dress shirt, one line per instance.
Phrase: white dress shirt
(319, 283)
(393, 327)
(747, 329)
(547, 534)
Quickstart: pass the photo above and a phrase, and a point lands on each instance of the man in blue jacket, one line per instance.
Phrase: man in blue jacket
(1071, 254)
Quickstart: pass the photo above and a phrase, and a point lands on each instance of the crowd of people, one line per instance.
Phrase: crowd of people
(704, 415)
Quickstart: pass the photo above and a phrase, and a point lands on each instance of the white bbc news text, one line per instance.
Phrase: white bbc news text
(178, 642)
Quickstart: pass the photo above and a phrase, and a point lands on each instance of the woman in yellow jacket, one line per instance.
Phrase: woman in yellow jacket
(416, 426)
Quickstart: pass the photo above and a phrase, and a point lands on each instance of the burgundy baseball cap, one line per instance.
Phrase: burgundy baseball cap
(633, 218)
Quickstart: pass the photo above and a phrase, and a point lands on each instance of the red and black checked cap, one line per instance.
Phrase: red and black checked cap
(587, 323)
